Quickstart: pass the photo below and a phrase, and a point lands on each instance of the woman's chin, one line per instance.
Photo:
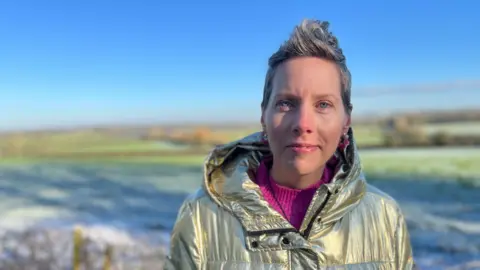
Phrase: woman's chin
(303, 167)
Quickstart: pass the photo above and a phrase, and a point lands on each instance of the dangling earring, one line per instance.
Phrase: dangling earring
(264, 137)
(344, 141)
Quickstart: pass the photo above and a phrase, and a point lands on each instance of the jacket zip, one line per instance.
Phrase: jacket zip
(317, 213)
(274, 231)
(287, 230)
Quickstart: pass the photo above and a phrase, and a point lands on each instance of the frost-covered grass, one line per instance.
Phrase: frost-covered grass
(121, 206)
(125, 204)
(53, 249)
(146, 191)
(144, 194)
(436, 162)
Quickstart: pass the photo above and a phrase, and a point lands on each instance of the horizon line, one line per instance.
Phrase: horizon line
(150, 123)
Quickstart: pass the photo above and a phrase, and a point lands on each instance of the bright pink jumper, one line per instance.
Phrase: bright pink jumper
(294, 202)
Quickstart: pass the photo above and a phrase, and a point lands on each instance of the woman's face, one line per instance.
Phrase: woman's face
(305, 116)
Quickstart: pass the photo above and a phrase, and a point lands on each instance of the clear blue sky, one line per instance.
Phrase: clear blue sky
(64, 63)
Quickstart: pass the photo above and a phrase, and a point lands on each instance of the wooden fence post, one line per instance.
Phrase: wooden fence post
(77, 247)
(107, 262)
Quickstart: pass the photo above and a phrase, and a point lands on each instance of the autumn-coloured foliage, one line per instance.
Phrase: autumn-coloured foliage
(201, 135)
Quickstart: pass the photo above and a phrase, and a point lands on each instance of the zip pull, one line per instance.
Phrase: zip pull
(314, 218)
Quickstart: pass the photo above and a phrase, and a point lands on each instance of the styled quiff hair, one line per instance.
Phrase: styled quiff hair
(310, 38)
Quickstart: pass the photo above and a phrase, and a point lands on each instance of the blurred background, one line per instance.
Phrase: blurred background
(108, 109)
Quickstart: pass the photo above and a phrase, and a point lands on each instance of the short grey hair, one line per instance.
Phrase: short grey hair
(310, 38)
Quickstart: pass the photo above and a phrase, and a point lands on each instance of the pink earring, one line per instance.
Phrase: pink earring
(344, 142)
(264, 137)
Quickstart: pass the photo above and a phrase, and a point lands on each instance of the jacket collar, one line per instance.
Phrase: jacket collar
(228, 174)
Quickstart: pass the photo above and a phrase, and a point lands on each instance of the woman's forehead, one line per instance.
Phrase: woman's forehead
(307, 76)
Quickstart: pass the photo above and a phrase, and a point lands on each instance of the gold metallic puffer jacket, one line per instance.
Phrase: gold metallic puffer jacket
(227, 224)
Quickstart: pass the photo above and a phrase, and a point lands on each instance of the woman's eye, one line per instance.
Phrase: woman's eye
(284, 105)
(323, 105)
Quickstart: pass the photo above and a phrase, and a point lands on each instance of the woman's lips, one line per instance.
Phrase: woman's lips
(303, 148)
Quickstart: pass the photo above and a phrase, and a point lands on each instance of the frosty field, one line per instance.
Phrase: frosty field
(117, 201)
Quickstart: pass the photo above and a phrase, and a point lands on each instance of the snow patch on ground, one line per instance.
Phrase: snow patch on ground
(53, 248)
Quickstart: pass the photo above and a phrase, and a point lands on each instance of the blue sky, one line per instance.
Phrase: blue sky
(66, 63)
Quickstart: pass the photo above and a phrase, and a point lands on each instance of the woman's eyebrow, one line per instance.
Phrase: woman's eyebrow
(326, 96)
(286, 95)
(316, 97)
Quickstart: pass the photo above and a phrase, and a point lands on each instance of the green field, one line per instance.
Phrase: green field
(85, 141)
(450, 162)
(371, 135)
(367, 135)
(69, 141)
(460, 128)
(146, 190)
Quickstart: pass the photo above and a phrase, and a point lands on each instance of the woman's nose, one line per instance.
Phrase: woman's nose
(303, 121)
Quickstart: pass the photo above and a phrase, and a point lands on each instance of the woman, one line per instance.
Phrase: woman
(293, 196)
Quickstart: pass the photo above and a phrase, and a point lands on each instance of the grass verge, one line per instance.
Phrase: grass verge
(442, 162)
(187, 160)
(448, 162)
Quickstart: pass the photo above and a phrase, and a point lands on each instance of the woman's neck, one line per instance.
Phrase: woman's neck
(294, 180)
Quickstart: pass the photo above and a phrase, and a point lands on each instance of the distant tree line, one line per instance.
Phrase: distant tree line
(199, 136)
(408, 131)
(402, 130)
(432, 117)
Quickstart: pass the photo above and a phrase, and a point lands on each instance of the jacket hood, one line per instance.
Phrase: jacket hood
(229, 172)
